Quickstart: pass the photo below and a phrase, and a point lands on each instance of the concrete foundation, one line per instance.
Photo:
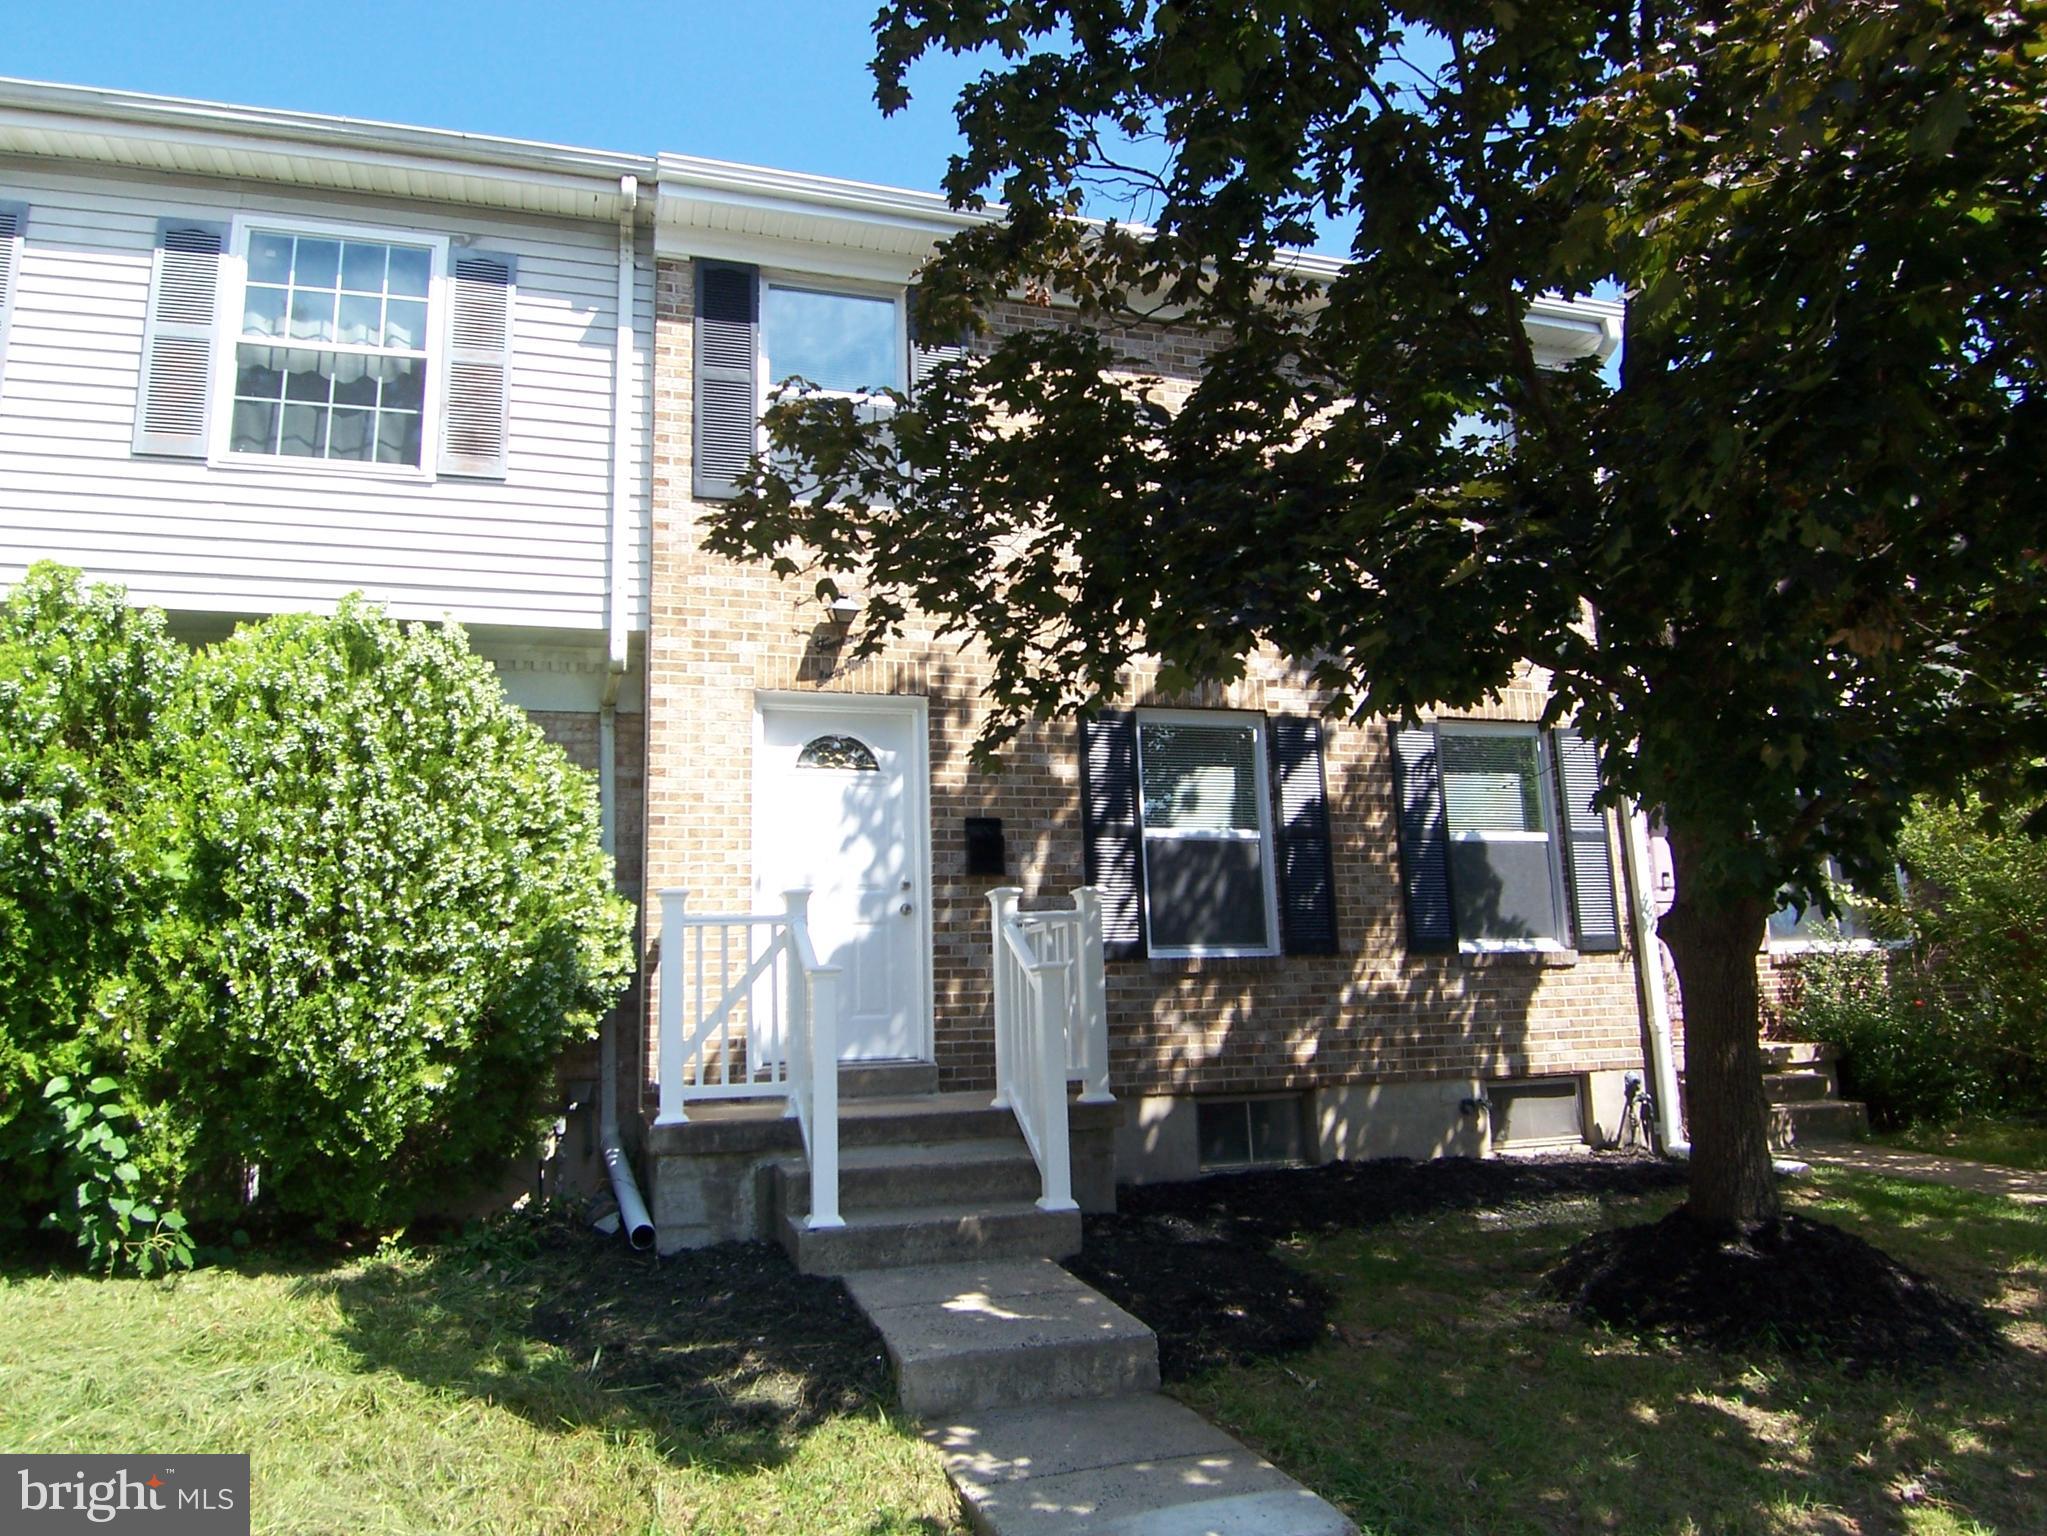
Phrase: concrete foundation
(1157, 1140)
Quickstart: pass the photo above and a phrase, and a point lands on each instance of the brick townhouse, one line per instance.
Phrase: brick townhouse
(1300, 939)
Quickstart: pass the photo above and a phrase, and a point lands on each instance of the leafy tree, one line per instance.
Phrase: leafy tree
(1805, 527)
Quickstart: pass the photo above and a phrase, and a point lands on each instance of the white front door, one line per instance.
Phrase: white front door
(839, 794)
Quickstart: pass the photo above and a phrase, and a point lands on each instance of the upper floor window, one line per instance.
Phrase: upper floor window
(334, 344)
(839, 342)
(295, 343)
(754, 332)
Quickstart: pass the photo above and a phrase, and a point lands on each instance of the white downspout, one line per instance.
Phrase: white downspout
(1649, 982)
(632, 1209)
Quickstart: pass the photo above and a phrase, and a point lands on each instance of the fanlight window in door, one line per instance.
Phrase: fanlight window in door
(838, 752)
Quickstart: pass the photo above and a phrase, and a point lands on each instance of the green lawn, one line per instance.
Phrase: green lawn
(2006, 1143)
(1455, 1401)
(416, 1392)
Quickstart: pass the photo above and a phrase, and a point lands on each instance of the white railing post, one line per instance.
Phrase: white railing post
(824, 1088)
(1094, 1002)
(669, 1037)
(1002, 905)
(1056, 1163)
(796, 1030)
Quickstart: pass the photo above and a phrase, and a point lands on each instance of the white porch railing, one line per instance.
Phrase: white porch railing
(761, 1014)
(1051, 1024)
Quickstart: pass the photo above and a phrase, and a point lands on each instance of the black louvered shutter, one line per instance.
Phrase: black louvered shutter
(1300, 802)
(1424, 840)
(173, 404)
(727, 389)
(13, 226)
(476, 416)
(1588, 857)
(1111, 832)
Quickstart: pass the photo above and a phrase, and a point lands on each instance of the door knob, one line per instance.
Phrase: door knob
(906, 909)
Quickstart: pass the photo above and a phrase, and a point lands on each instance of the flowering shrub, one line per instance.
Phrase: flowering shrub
(396, 915)
(86, 858)
(319, 899)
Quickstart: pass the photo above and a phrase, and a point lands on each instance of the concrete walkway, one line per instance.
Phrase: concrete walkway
(1983, 1178)
(1042, 1395)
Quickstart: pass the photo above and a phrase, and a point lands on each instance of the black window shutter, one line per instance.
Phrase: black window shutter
(1112, 835)
(1300, 833)
(1588, 856)
(1424, 841)
(727, 392)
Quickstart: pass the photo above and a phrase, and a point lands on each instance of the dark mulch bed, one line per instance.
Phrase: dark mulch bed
(1794, 1284)
(1212, 1301)
(1196, 1260)
(703, 1327)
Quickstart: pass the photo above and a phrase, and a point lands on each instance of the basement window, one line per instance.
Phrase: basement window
(1533, 1113)
(1248, 1133)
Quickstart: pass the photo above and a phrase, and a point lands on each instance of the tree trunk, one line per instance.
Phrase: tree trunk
(1714, 943)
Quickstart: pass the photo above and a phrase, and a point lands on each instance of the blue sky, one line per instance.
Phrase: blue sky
(771, 82)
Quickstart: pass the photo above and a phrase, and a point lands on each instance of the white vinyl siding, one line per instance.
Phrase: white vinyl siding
(527, 551)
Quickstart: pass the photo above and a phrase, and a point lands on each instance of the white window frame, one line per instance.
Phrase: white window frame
(1266, 862)
(227, 331)
(802, 282)
(1559, 888)
(1801, 945)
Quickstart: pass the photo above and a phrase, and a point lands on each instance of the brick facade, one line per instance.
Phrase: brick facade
(721, 631)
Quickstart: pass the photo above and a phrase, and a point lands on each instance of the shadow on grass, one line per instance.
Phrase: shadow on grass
(723, 1356)
(1446, 1395)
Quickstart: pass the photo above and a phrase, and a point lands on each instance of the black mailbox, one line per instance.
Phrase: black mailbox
(986, 854)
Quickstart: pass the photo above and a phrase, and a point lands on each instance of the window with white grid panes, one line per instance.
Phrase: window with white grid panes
(332, 353)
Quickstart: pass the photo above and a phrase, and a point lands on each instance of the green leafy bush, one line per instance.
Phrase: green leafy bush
(87, 851)
(1954, 1023)
(1910, 1050)
(397, 913)
(318, 899)
(101, 1202)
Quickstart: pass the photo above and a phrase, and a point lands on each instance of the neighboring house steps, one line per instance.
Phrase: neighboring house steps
(1802, 1095)
(1802, 1086)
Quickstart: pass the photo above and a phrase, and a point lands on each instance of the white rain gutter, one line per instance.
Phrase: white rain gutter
(632, 1209)
(1649, 982)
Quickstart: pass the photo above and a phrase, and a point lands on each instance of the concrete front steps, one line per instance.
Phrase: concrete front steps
(931, 1179)
(1802, 1086)
(1041, 1394)
(924, 1177)
(1002, 1335)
